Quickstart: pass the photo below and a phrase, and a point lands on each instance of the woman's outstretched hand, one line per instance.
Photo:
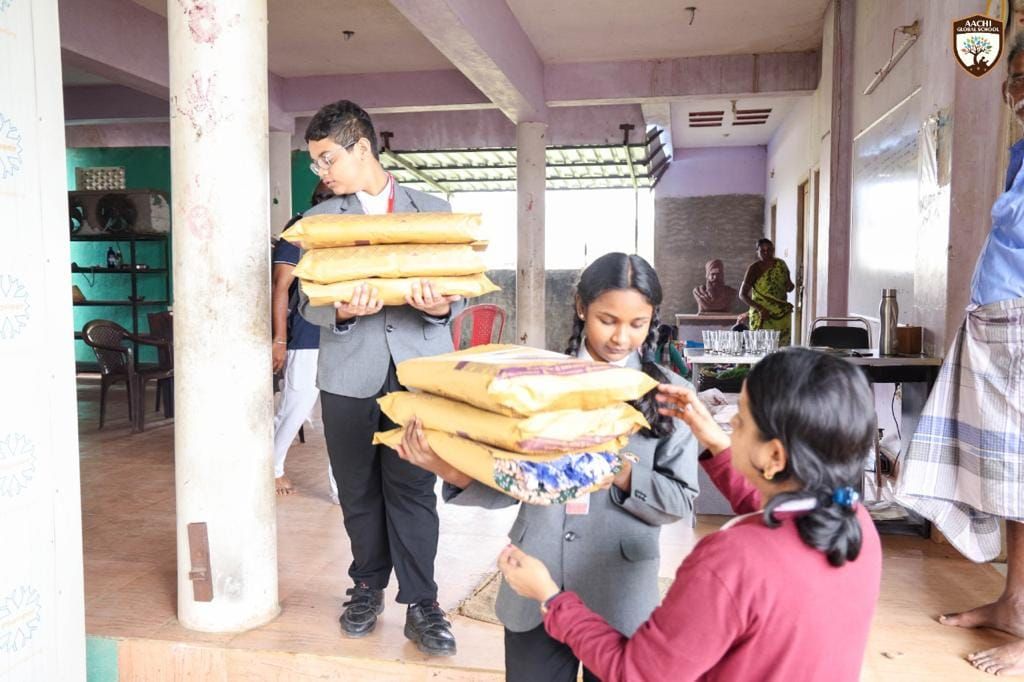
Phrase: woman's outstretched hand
(682, 403)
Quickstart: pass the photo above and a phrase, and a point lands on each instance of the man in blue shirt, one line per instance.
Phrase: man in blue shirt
(964, 468)
(296, 344)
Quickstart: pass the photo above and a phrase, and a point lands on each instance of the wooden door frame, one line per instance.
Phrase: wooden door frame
(803, 200)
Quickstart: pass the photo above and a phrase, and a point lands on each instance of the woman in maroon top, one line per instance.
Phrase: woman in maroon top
(783, 593)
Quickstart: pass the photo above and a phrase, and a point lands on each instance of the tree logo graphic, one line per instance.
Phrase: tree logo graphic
(977, 43)
(20, 613)
(17, 464)
(14, 307)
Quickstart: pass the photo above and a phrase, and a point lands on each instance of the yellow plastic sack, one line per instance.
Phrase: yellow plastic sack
(342, 264)
(542, 480)
(559, 431)
(329, 230)
(522, 381)
(394, 291)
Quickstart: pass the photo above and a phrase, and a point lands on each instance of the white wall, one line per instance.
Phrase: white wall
(42, 622)
(945, 251)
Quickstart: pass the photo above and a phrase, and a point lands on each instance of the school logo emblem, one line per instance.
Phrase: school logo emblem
(977, 43)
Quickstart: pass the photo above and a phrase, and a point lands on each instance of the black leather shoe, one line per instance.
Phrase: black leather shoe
(425, 624)
(361, 611)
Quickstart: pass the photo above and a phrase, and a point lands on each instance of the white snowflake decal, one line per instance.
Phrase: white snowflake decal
(20, 613)
(14, 307)
(17, 464)
(10, 146)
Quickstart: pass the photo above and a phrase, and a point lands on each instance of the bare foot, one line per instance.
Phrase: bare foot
(283, 485)
(1004, 614)
(1007, 659)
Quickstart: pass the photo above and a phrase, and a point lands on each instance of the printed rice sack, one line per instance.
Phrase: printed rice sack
(553, 479)
(326, 266)
(394, 291)
(522, 381)
(558, 431)
(348, 229)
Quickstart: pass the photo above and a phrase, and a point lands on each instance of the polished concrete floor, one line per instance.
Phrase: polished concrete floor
(128, 534)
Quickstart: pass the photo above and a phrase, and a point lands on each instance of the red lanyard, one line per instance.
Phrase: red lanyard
(391, 194)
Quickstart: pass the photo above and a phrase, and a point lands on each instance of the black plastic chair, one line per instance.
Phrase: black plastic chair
(161, 326)
(117, 363)
(840, 336)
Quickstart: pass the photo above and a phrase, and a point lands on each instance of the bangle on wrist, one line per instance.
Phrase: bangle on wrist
(546, 604)
(283, 343)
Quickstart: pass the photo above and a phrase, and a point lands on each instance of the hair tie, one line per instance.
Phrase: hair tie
(845, 497)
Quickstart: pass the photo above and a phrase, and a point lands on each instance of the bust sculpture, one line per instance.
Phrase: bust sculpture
(714, 296)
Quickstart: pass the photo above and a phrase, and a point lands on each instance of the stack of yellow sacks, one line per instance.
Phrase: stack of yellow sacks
(539, 426)
(389, 252)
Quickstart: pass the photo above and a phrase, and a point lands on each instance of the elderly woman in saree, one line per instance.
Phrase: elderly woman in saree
(765, 289)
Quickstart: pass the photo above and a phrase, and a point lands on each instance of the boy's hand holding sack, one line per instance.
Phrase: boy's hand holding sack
(539, 426)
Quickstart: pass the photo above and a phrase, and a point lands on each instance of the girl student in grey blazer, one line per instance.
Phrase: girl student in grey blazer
(605, 547)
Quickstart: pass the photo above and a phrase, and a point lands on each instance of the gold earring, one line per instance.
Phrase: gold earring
(769, 475)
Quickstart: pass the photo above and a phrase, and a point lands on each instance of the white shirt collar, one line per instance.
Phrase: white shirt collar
(376, 204)
(584, 355)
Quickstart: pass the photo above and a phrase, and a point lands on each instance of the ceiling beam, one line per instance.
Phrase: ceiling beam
(88, 104)
(484, 41)
(659, 115)
(385, 93)
(568, 85)
(666, 79)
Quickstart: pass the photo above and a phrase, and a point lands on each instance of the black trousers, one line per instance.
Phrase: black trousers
(389, 505)
(534, 656)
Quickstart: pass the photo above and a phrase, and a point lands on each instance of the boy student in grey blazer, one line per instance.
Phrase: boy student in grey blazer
(389, 505)
(604, 547)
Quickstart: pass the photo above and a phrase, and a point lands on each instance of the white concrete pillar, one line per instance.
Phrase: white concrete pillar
(840, 157)
(280, 180)
(531, 144)
(223, 402)
(42, 620)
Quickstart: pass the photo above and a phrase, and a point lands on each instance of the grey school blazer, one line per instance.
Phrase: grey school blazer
(609, 556)
(355, 355)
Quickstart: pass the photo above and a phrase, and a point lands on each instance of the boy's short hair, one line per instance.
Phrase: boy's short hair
(344, 122)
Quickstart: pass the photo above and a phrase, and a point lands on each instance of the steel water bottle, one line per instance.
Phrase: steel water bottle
(888, 315)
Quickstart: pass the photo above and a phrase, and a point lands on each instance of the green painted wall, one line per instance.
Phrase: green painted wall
(145, 168)
(101, 659)
(303, 181)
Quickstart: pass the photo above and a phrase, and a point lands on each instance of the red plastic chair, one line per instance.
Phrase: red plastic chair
(482, 319)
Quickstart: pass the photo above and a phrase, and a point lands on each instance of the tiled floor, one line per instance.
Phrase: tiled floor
(128, 534)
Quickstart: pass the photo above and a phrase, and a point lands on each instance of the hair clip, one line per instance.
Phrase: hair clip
(845, 497)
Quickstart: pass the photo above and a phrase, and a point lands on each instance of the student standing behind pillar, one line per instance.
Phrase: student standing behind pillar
(389, 505)
(295, 351)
